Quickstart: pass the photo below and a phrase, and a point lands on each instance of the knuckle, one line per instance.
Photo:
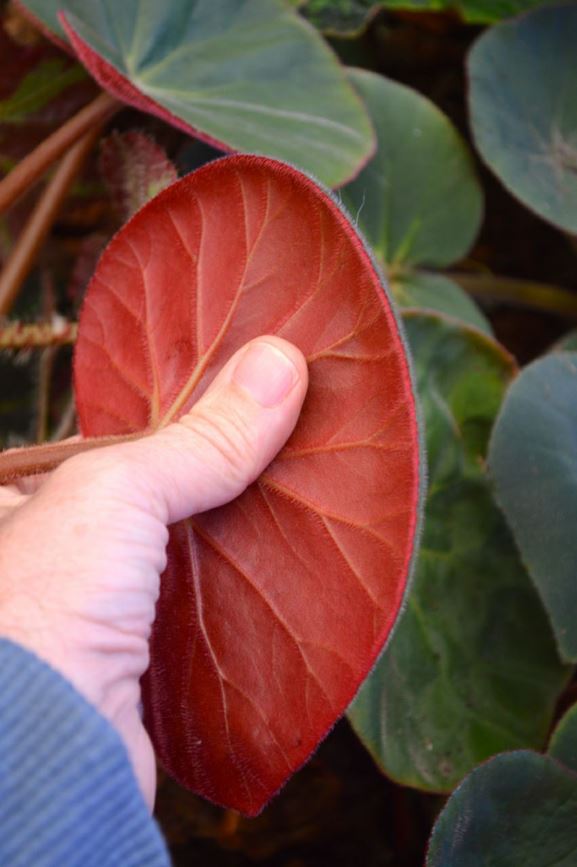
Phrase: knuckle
(226, 440)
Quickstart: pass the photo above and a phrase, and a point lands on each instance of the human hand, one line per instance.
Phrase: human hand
(81, 557)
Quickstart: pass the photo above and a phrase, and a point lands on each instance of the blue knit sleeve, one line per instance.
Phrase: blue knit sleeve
(68, 795)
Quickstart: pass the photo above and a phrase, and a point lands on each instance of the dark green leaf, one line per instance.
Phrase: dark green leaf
(340, 17)
(473, 11)
(490, 11)
(418, 200)
(251, 76)
(426, 291)
(523, 101)
(471, 669)
(534, 463)
(517, 810)
(39, 87)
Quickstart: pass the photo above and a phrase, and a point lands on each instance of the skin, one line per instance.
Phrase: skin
(82, 550)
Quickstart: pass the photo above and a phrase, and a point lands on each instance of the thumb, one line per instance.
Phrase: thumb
(210, 455)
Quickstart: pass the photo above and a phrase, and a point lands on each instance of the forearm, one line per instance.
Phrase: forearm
(68, 794)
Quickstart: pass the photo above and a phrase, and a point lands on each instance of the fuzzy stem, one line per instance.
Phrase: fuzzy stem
(37, 335)
(32, 167)
(541, 296)
(21, 260)
(31, 461)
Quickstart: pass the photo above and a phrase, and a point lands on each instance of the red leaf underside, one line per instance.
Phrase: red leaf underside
(273, 608)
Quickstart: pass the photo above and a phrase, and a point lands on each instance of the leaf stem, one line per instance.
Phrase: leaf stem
(542, 296)
(32, 167)
(33, 460)
(21, 259)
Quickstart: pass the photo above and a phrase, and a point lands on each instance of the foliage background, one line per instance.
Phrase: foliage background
(473, 669)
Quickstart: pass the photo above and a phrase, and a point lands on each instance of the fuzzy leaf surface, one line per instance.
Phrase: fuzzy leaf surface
(273, 608)
(533, 460)
(472, 668)
(523, 104)
(248, 76)
(135, 169)
(518, 808)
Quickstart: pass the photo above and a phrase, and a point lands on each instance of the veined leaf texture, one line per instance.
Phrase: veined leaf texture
(273, 608)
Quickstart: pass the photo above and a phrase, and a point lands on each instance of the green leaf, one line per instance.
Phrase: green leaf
(417, 201)
(523, 102)
(339, 17)
(563, 743)
(39, 87)
(490, 11)
(250, 76)
(533, 460)
(473, 11)
(426, 291)
(471, 669)
(517, 810)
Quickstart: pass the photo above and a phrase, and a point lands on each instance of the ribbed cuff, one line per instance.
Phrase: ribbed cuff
(68, 794)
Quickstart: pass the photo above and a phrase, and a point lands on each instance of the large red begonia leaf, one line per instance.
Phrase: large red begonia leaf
(273, 608)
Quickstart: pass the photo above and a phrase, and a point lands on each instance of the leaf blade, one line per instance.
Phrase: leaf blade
(424, 291)
(517, 808)
(291, 266)
(537, 492)
(402, 209)
(242, 76)
(471, 668)
(523, 115)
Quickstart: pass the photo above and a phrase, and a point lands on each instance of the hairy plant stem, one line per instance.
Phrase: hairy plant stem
(21, 259)
(32, 167)
(33, 460)
(38, 335)
(541, 296)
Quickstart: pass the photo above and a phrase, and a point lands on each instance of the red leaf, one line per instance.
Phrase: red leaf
(273, 608)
